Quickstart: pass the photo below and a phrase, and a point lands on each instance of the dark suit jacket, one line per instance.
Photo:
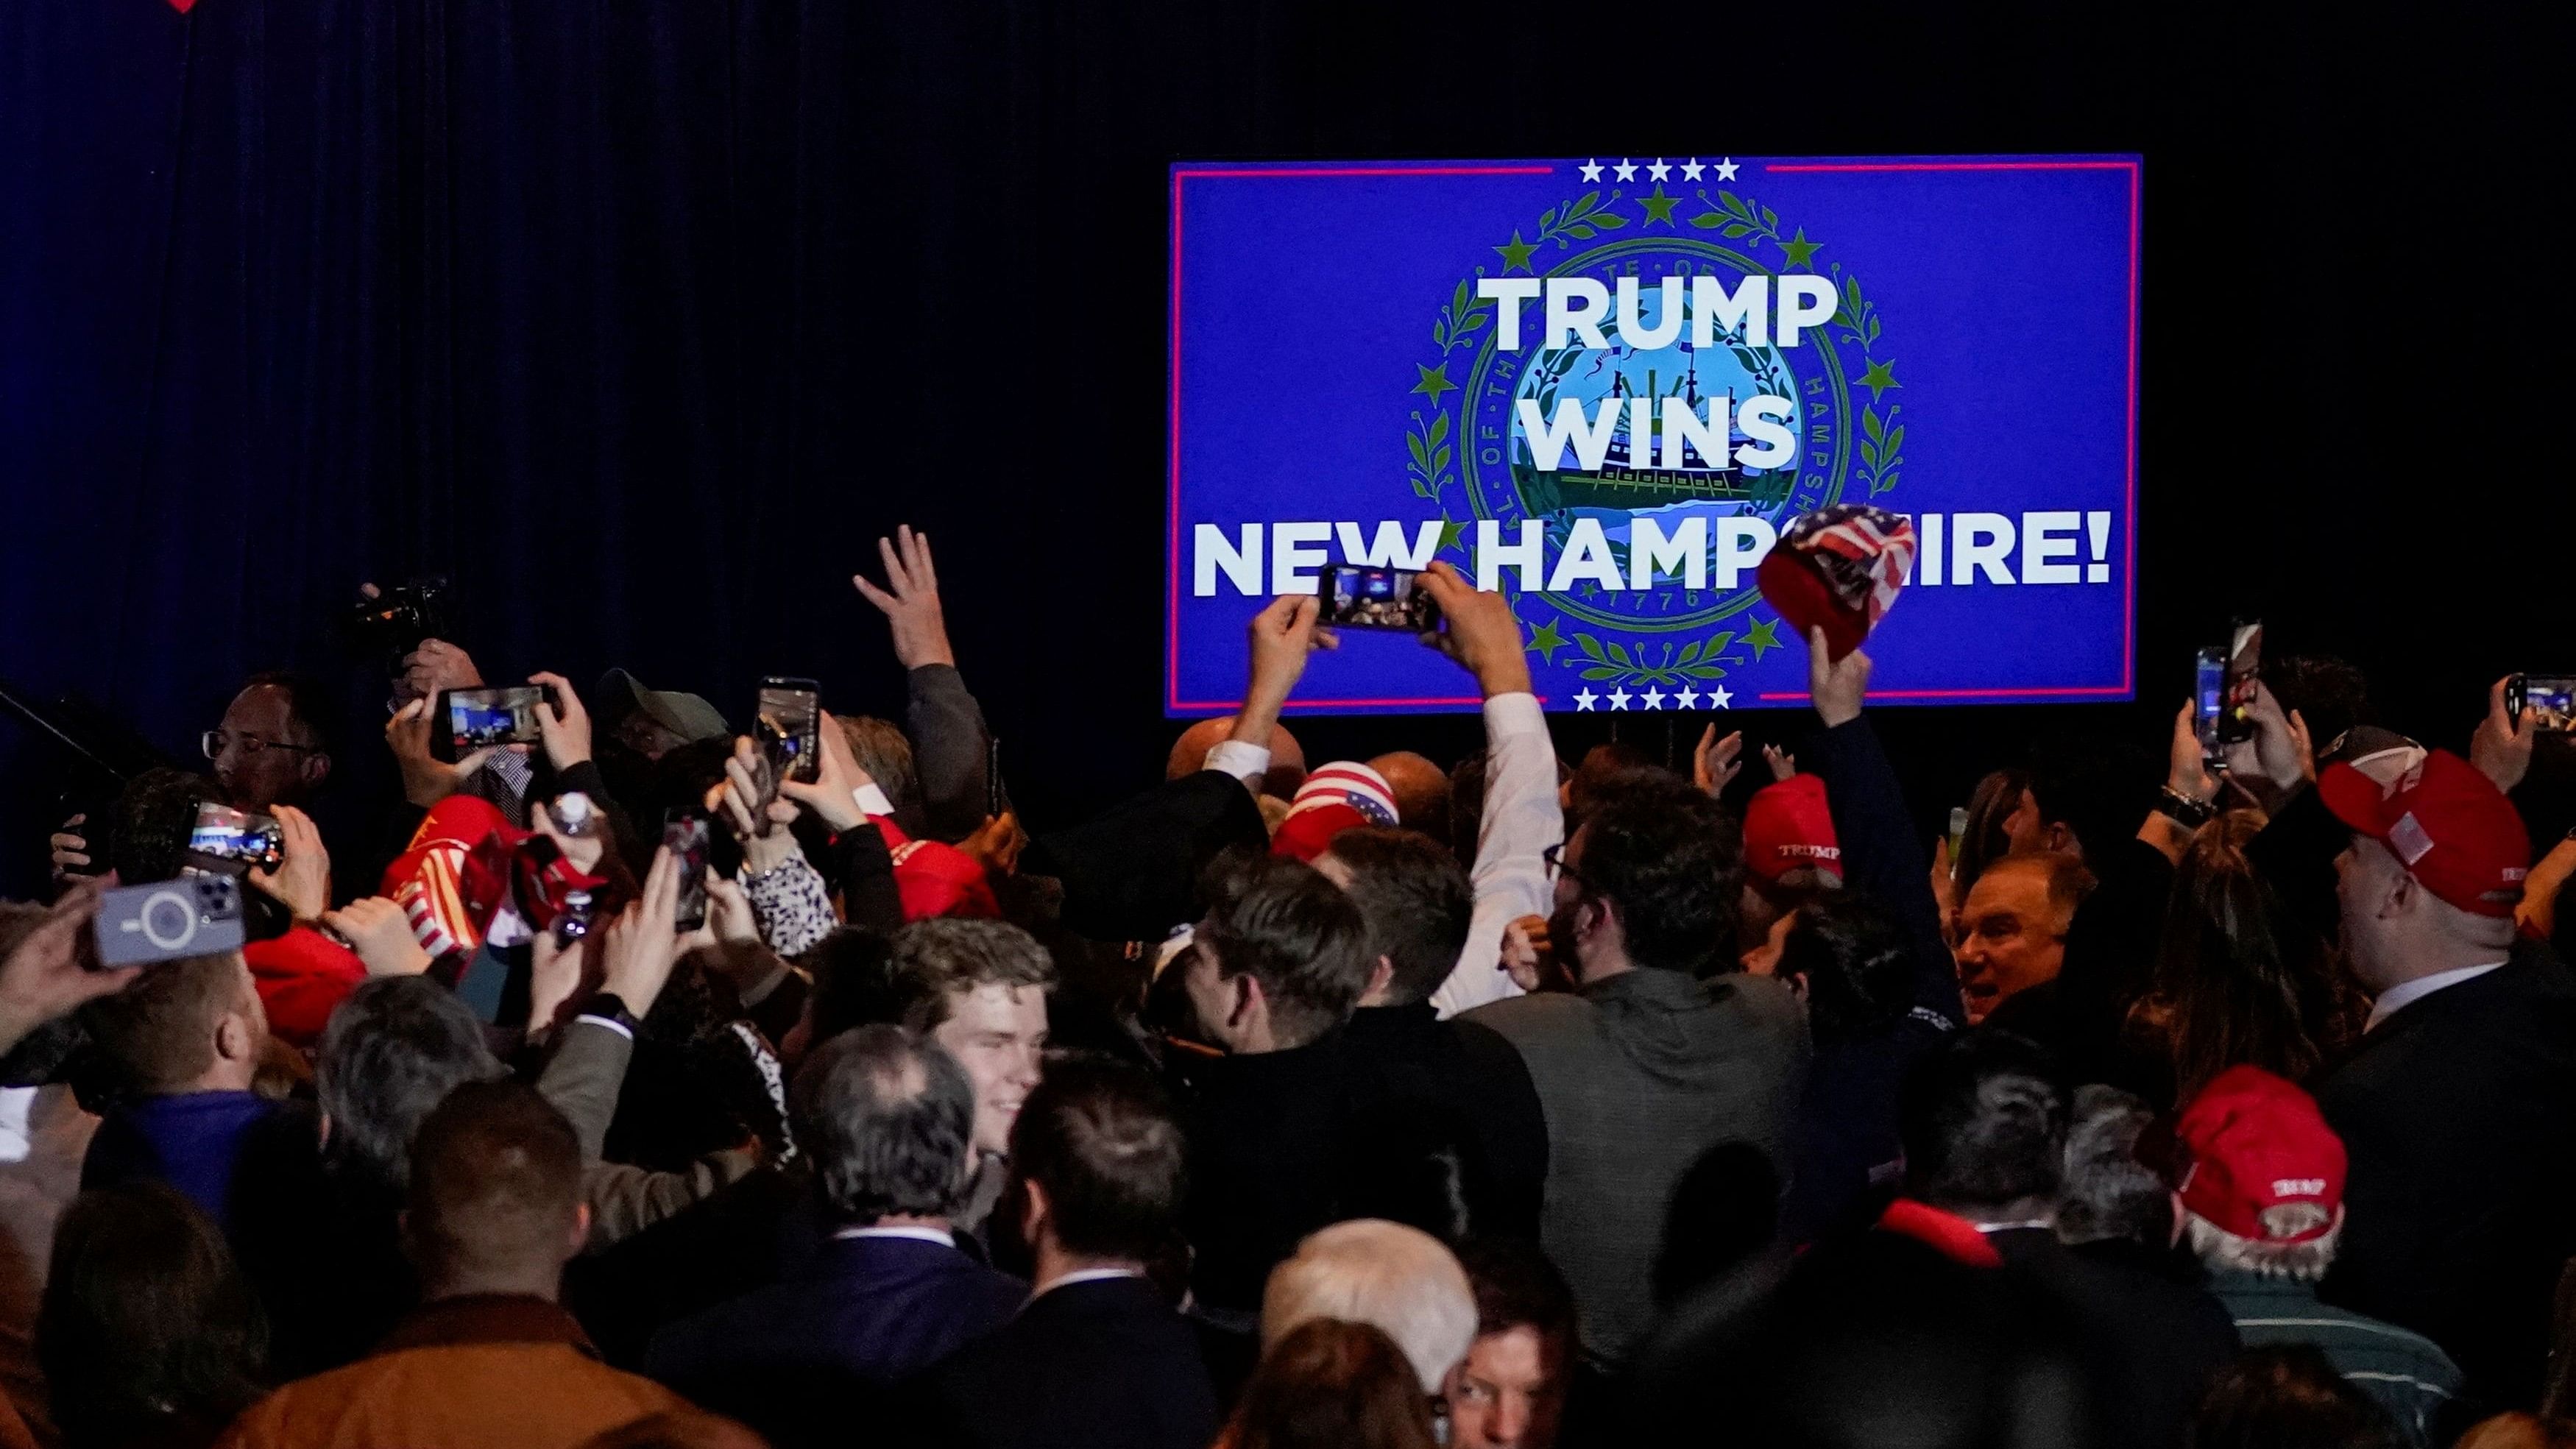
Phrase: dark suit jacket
(2459, 1113)
(1460, 1087)
(2150, 1338)
(1105, 1364)
(798, 1360)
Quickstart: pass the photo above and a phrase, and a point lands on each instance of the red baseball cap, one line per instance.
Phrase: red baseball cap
(2446, 822)
(937, 879)
(2257, 1143)
(1788, 826)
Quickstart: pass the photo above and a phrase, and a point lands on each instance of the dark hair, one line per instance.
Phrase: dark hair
(1296, 933)
(1603, 766)
(389, 1055)
(1101, 1138)
(147, 838)
(2222, 993)
(2330, 695)
(1332, 1384)
(1417, 904)
(159, 1032)
(937, 959)
(2287, 1397)
(495, 1182)
(887, 1116)
(1517, 1287)
(1857, 959)
(147, 1325)
(1982, 1121)
(2092, 786)
(1671, 862)
(853, 971)
(306, 713)
(1985, 841)
(2107, 1193)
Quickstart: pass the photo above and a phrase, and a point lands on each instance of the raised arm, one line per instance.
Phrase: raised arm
(1881, 855)
(1521, 817)
(951, 744)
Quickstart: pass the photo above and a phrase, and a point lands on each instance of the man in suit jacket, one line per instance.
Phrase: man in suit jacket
(1646, 1065)
(889, 1119)
(2459, 1105)
(1099, 1356)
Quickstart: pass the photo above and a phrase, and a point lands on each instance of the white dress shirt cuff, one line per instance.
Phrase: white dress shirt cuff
(1245, 762)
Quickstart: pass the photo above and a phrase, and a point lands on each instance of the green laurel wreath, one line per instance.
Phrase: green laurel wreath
(1431, 446)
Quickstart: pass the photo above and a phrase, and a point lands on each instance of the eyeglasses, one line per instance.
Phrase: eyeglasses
(1554, 856)
(214, 741)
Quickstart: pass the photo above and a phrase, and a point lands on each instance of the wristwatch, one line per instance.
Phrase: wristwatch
(2185, 811)
(610, 1007)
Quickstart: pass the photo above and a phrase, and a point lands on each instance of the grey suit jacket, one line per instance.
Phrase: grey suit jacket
(582, 1081)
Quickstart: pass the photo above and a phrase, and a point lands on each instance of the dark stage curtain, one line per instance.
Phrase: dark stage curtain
(642, 318)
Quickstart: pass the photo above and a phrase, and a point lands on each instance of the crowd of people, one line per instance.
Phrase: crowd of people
(1374, 1104)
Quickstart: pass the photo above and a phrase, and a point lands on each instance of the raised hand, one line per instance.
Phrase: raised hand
(1838, 686)
(1482, 632)
(378, 931)
(438, 665)
(1715, 762)
(2501, 745)
(640, 944)
(70, 847)
(426, 778)
(1783, 764)
(765, 846)
(910, 599)
(42, 978)
(997, 843)
(833, 794)
(563, 728)
(303, 879)
(2186, 763)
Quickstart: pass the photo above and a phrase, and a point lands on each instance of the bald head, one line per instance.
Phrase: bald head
(1421, 791)
(1287, 757)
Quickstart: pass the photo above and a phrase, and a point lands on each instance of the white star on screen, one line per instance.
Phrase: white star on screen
(1726, 169)
(1591, 170)
(1585, 698)
(1619, 698)
(1686, 698)
(1626, 170)
(1653, 697)
(1659, 170)
(1723, 699)
(1691, 169)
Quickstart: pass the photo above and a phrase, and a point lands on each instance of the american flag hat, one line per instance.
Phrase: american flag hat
(1343, 795)
(1839, 569)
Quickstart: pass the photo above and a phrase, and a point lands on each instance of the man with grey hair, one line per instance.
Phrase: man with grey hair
(2263, 1208)
(887, 1117)
(1383, 1274)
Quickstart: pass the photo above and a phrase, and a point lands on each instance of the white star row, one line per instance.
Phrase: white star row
(1686, 698)
(1627, 170)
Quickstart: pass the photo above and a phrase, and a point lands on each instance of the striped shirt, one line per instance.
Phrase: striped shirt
(2407, 1373)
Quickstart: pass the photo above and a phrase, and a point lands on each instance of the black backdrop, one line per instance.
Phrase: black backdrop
(640, 318)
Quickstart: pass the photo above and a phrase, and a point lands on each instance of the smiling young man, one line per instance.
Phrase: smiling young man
(979, 989)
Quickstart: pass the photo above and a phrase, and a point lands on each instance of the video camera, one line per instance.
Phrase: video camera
(396, 620)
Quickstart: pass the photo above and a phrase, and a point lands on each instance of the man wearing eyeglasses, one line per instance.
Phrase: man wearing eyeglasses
(268, 751)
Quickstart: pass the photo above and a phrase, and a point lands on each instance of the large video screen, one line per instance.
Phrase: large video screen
(1605, 384)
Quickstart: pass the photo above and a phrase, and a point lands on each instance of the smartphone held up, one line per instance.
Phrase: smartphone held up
(2544, 702)
(1364, 596)
(466, 720)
